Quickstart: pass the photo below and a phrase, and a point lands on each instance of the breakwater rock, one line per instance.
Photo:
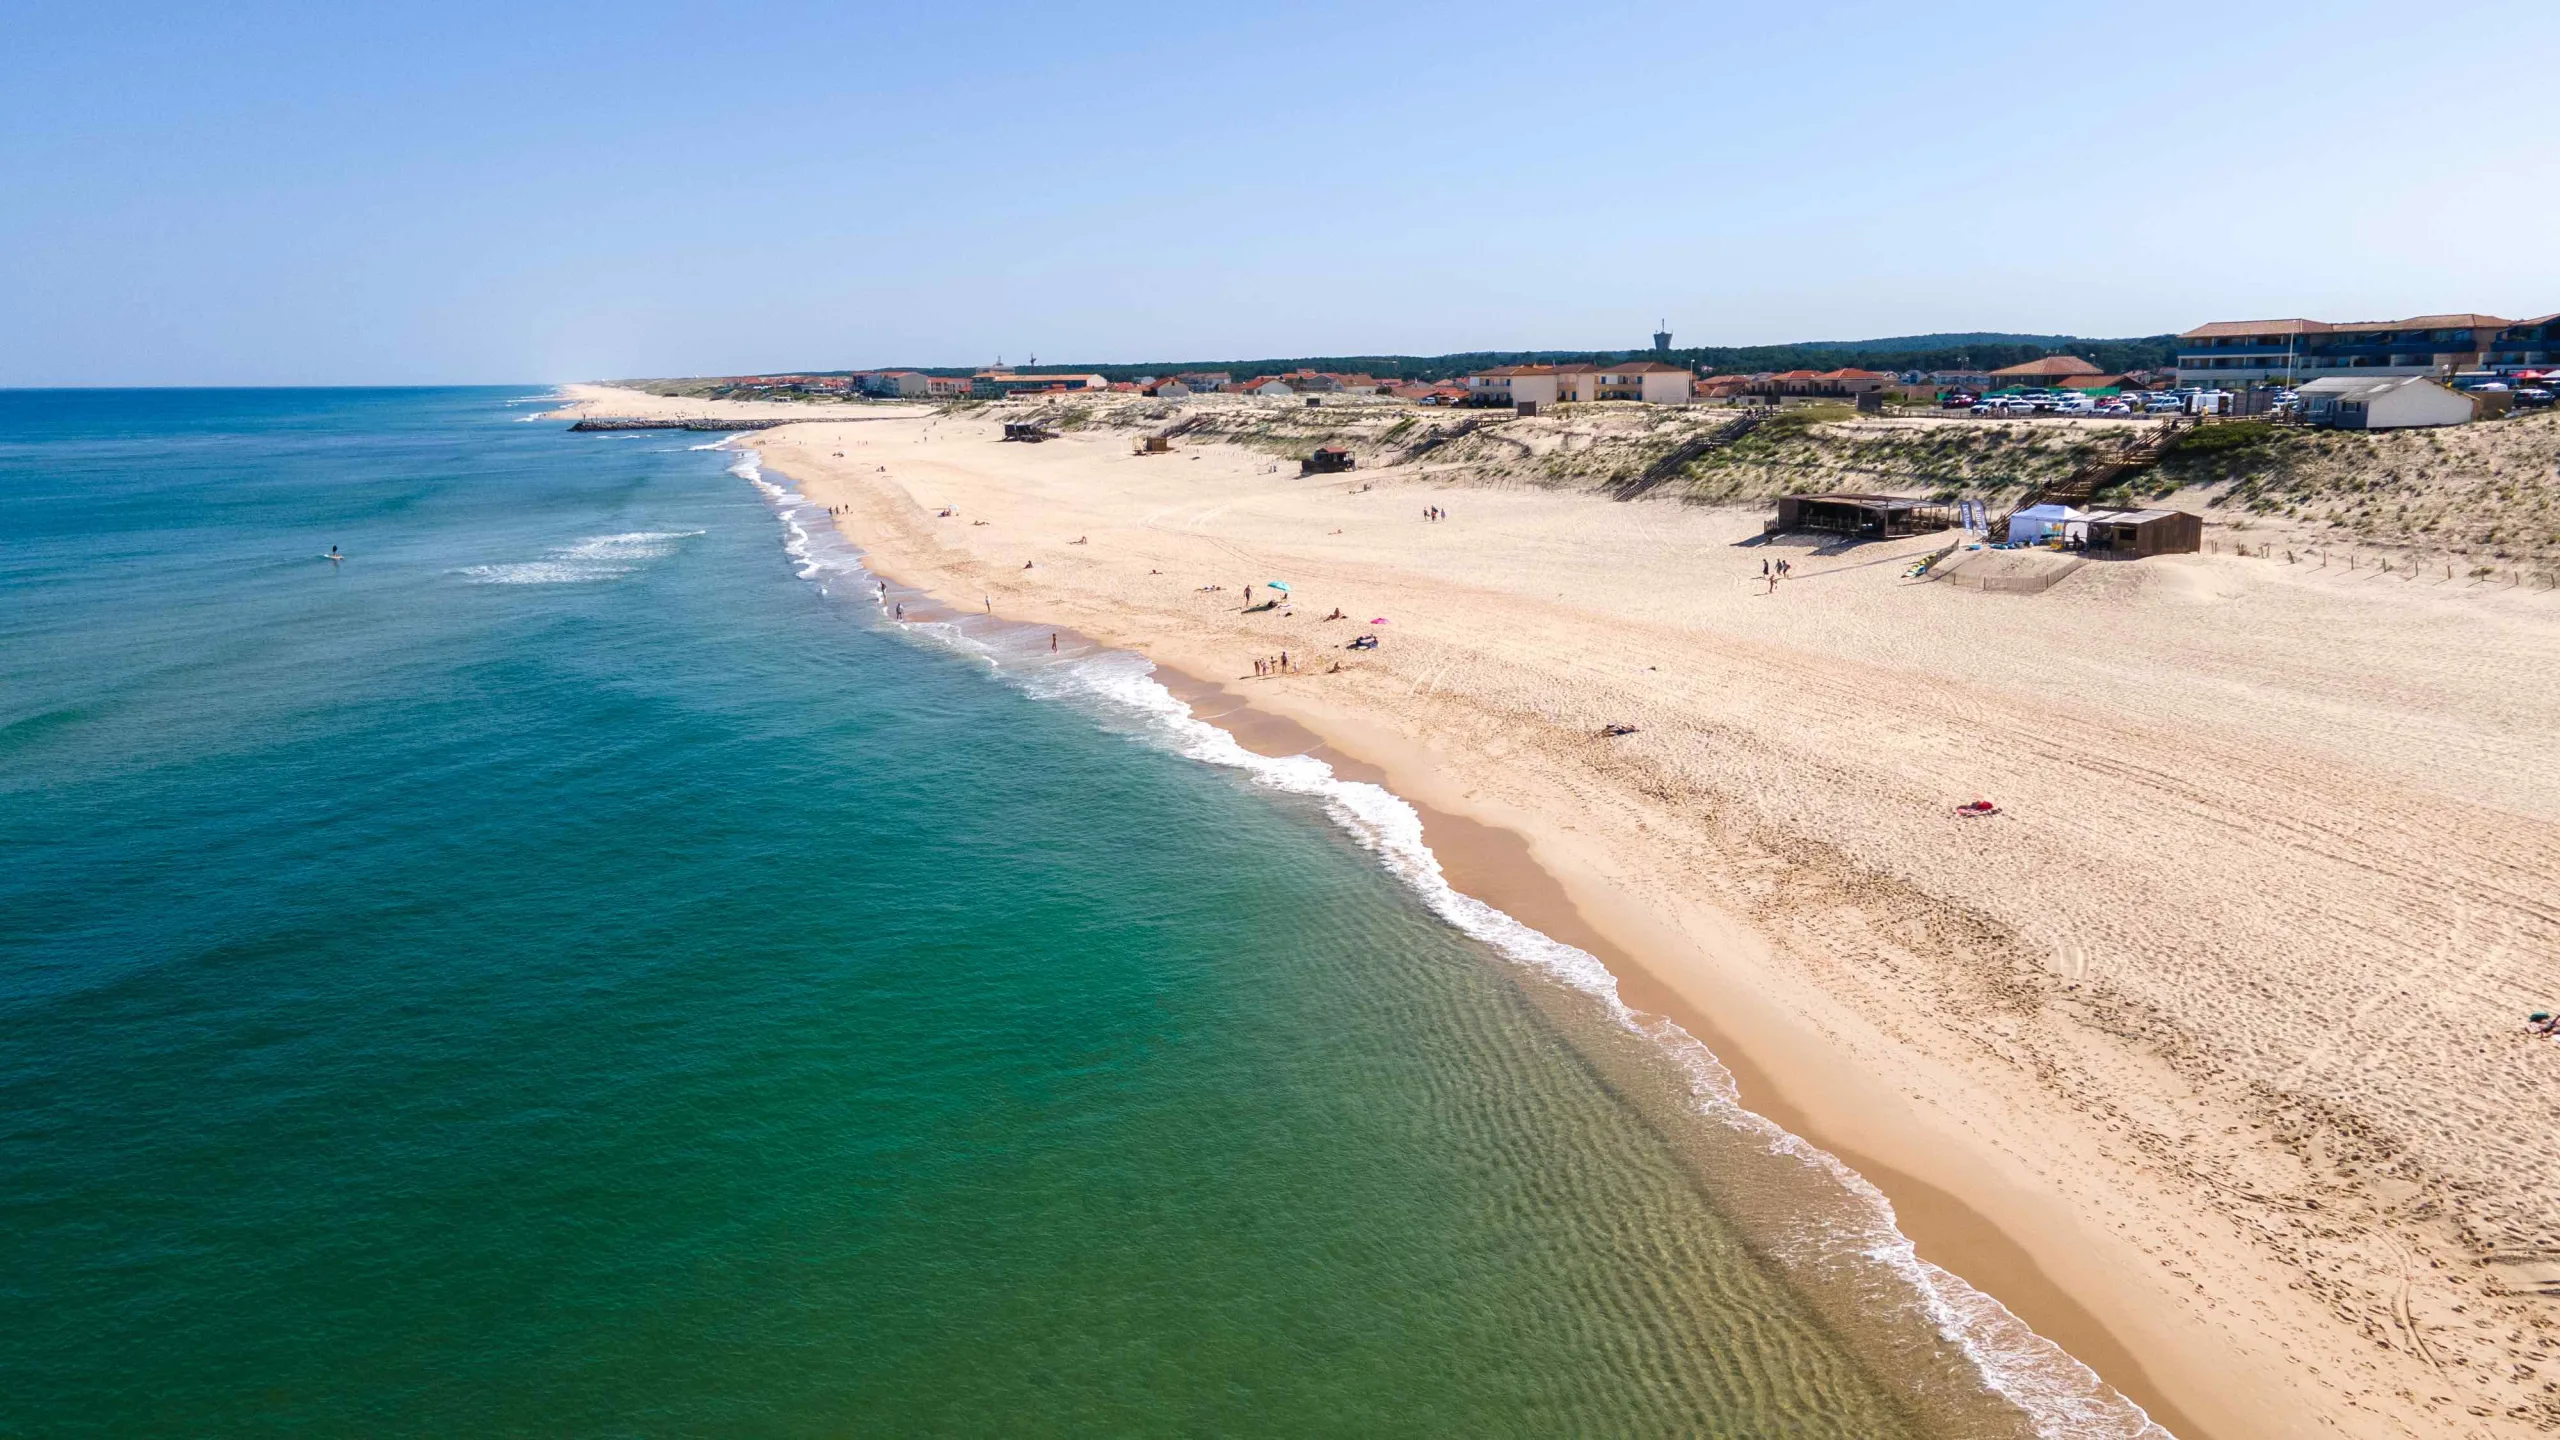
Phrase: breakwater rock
(611, 424)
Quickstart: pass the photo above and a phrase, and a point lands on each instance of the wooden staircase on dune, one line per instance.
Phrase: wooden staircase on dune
(2077, 489)
(1683, 455)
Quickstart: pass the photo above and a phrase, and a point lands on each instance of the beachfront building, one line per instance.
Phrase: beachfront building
(2527, 345)
(2385, 402)
(2230, 353)
(1204, 381)
(897, 384)
(1002, 382)
(1270, 385)
(1646, 380)
(1168, 389)
(1501, 385)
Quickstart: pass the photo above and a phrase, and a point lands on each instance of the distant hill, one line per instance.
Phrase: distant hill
(1978, 350)
(1906, 343)
(1983, 350)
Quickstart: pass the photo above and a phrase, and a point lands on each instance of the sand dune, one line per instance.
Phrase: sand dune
(2219, 1020)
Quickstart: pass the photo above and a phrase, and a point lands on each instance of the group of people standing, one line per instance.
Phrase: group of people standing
(1773, 571)
(1434, 512)
(1264, 667)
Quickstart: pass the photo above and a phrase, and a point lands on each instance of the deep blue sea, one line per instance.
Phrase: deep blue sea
(572, 969)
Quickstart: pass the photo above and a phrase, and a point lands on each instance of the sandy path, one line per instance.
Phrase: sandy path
(2219, 1021)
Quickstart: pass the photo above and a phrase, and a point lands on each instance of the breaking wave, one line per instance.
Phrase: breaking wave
(598, 557)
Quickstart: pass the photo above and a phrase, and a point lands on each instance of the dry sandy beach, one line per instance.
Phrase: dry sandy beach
(2205, 1056)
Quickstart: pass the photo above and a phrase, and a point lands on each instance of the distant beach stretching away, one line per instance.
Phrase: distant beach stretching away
(2189, 1076)
(797, 918)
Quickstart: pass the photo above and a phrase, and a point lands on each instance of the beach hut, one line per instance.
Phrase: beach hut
(2131, 534)
(2041, 522)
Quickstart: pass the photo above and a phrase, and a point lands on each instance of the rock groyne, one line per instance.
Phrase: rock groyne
(613, 424)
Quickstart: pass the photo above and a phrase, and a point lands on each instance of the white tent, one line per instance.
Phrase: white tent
(2039, 521)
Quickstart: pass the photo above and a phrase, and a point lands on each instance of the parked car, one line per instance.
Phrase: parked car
(1958, 400)
(2533, 395)
(2003, 406)
(2115, 410)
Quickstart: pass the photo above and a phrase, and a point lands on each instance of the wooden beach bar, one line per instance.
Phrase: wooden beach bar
(1873, 517)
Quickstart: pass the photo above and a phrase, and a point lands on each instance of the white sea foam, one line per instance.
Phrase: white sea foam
(598, 557)
(2064, 1399)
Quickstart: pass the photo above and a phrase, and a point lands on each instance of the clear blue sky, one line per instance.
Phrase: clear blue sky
(264, 194)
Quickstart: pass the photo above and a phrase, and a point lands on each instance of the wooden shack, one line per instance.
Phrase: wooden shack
(1155, 445)
(1030, 432)
(1328, 460)
(2131, 534)
(1872, 517)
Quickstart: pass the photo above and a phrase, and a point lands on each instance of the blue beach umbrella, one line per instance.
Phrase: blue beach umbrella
(1279, 585)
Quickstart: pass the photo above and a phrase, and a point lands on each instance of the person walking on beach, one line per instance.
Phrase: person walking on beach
(1284, 660)
(1053, 642)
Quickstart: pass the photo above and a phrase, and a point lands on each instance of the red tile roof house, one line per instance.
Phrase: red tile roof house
(1847, 381)
(2052, 370)
(1512, 385)
(1312, 382)
(1169, 388)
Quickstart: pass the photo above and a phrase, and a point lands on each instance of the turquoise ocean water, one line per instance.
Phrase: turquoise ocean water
(572, 969)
